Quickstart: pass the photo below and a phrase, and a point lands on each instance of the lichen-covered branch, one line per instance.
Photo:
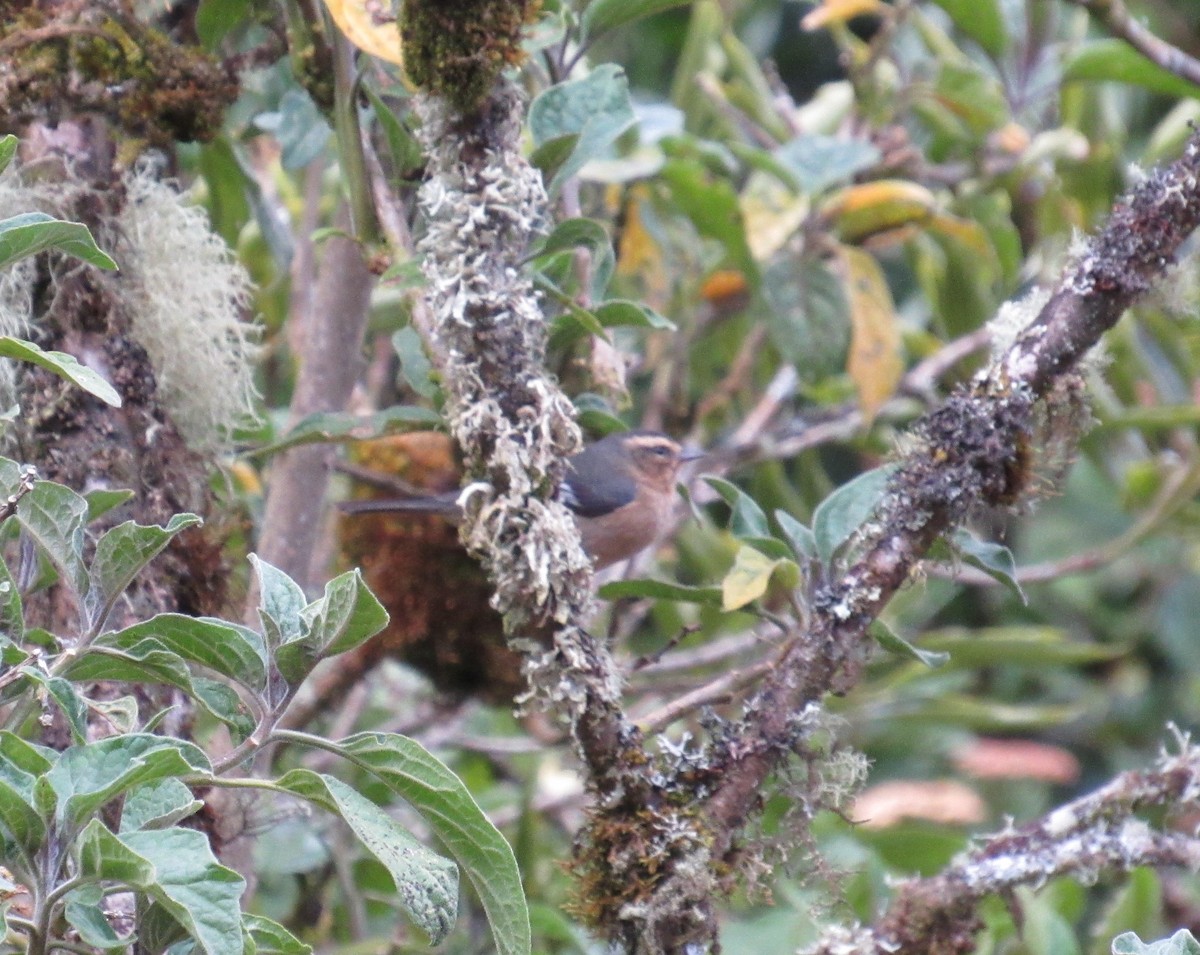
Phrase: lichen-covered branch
(973, 451)
(1095, 834)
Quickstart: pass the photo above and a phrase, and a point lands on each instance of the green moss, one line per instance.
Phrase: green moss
(457, 49)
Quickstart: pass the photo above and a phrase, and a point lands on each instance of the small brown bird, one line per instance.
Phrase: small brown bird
(621, 490)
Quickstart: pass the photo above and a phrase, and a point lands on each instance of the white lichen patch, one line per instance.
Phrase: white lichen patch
(187, 297)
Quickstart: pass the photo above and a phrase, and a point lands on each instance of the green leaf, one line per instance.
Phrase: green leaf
(176, 868)
(101, 501)
(29, 758)
(712, 205)
(848, 508)
(1181, 943)
(590, 235)
(426, 883)
(799, 538)
(61, 364)
(228, 648)
(281, 602)
(34, 232)
(63, 693)
(215, 18)
(12, 616)
(1118, 62)
(820, 162)
(8, 149)
(660, 590)
(1019, 645)
(808, 317)
(345, 616)
(747, 518)
(995, 560)
(402, 144)
(87, 777)
(148, 661)
(299, 126)
(120, 555)
(621, 312)
(422, 780)
(336, 426)
(158, 805)
(271, 938)
(415, 366)
(603, 15)
(84, 911)
(596, 108)
(54, 516)
(891, 641)
(982, 21)
(18, 816)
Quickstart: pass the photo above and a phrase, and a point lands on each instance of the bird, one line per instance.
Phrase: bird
(621, 490)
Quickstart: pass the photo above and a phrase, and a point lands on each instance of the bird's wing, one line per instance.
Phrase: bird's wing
(589, 497)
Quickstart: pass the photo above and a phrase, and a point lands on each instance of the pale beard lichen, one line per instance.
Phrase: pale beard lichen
(186, 295)
(183, 290)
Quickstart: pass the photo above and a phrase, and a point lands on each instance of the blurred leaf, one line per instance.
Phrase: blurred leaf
(659, 590)
(271, 938)
(1181, 943)
(982, 21)
(891, 641)
(798, 536)
(33, 232)
(8, 149)
(711, 203)
(1116, 61)
(61, 364)
(748, 579)
(85, 913)
(603, 15)
(618, 312)
(177, 869)
(341, 426)
(215, 18)
(1135, 905)
(120, 555)
(415, 365)
(54, 515)
(596, 109)
(426, 884)
(590, 235)
(298, 126)
(1027, 646)
(406, 151)
(876, 362)
(73, 709)
(841, 11)
(995, 560)
(368, 27)
(1045, 930)
(819, 162)
(19, 818)
(101, 501)
(849, 507)
(861, 211)
(808, 319)
(747, 518)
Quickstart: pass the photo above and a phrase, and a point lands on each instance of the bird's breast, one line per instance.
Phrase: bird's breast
(623, 532)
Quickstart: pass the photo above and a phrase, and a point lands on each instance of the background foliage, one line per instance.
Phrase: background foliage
(776, 230)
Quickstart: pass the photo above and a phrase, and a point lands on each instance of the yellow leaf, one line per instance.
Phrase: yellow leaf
(839, 11)
(873, 207)
(772, 214)
(747, 580)
(370, 25)
(876, 363)
(640, 256)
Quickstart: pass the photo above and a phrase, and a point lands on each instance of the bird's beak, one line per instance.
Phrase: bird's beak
(691, 454)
